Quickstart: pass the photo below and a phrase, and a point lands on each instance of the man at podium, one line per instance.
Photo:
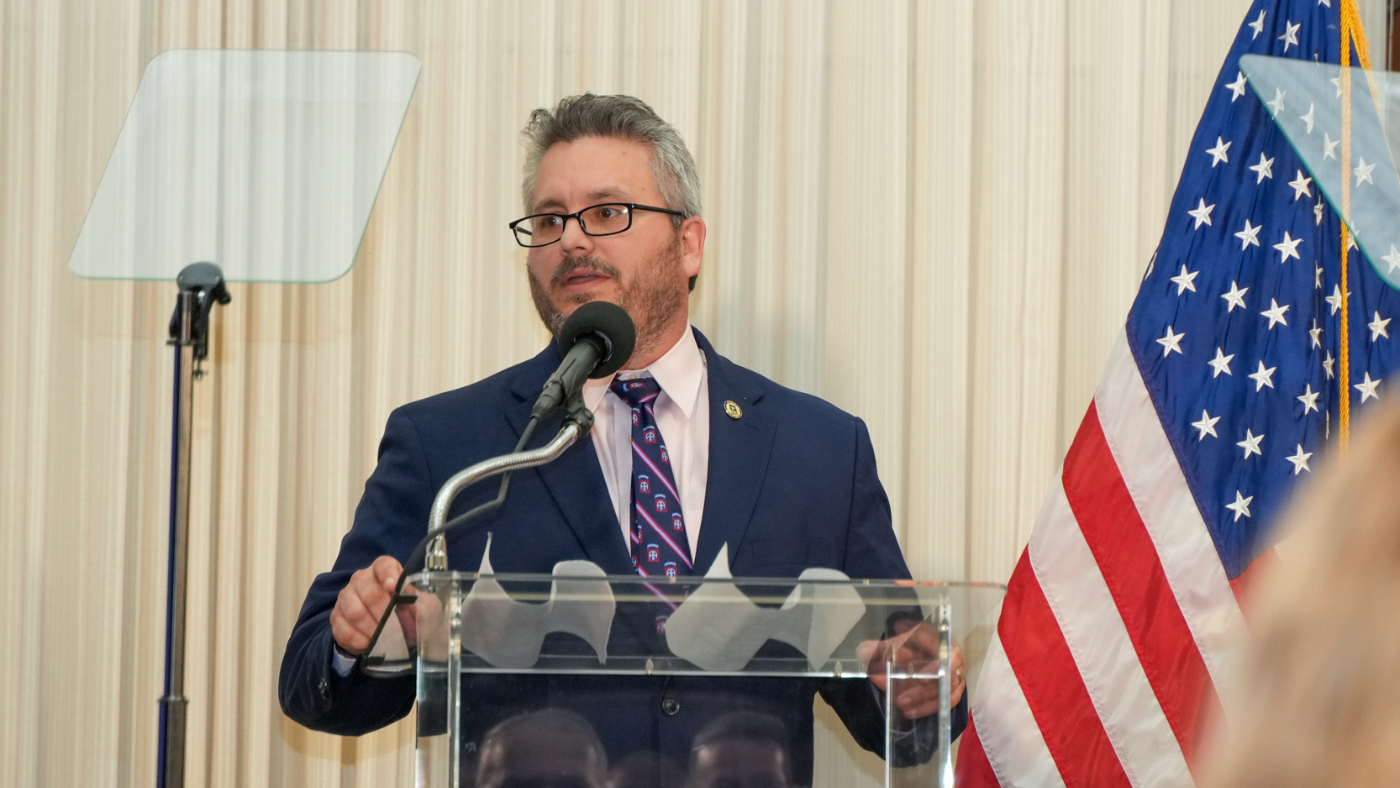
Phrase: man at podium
(689, 452)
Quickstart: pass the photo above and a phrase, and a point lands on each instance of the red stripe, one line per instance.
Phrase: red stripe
(655, 590)
(682, 553)
(637, 450)
(973, 770)
(661, 595)
(1040, 658)
(1130, 566)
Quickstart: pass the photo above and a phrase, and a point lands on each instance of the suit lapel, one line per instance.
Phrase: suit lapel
(575, 480)
(739, 455)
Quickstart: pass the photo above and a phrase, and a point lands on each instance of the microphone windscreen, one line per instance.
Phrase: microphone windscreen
(608, 321)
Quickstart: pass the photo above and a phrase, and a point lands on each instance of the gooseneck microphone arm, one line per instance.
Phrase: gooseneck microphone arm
(567, 436)
(596, 340)
(434, 543)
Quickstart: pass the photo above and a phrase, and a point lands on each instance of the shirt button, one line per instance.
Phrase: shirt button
(671, 707)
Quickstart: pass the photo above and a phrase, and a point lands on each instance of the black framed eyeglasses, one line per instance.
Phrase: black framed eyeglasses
(609, 218)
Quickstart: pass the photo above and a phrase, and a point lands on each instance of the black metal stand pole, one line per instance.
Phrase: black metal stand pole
(201, 286)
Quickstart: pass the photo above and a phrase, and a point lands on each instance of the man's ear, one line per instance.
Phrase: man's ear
(692, 236)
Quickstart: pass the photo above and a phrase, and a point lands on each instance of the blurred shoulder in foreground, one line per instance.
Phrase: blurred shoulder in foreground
(1316, 698)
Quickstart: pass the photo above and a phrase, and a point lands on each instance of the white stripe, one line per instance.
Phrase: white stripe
(658, 591)
(1015, 749)
(664, 536)
(1097, 638)
(1168, 510)
(659, 473)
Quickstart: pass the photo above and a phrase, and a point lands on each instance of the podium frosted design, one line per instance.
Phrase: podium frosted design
(573, 652)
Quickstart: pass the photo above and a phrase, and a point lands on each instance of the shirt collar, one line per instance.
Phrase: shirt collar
(680, 372)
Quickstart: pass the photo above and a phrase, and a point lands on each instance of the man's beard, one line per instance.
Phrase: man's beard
(652, 300)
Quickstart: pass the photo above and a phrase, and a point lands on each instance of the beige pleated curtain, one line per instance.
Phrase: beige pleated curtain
(932, 213)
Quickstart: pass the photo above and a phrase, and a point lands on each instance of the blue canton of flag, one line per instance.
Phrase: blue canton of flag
(1236, 328)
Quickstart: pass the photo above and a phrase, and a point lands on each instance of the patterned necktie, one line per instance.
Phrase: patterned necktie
(660, 547)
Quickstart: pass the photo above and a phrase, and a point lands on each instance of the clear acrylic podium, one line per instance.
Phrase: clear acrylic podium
(521, 679)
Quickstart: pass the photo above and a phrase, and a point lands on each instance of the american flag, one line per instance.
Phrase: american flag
(1216, 399)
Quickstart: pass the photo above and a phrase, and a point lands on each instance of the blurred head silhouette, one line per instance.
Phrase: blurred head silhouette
(552, 748)
(743, 749)
(1317, 702)
(646, 769)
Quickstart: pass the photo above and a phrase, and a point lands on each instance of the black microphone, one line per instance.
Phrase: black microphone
(595, 342)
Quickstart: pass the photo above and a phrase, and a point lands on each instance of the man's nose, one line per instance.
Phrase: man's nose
(574, 240)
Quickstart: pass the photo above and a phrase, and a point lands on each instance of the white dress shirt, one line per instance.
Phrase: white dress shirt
(683, 416)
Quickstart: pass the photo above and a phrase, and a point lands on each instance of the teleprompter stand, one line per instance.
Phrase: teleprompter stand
(267, 163)
(201, 287)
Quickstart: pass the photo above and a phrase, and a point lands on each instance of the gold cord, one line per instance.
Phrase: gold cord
(1352, 35)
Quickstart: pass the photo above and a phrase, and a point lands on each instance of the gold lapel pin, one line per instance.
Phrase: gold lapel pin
(731, 408)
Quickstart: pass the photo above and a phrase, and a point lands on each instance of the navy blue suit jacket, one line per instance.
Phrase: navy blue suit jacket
(792, 484)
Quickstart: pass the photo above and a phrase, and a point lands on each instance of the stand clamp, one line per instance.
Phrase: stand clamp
(201, 286)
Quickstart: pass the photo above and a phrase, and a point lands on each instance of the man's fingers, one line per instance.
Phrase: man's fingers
(361, 603)
(914, 652)
(919, 697)
(917, 701)
(867, 650)
(923, 639)
(387, 570)
(347, 623)
(921, 700)
(918, 706)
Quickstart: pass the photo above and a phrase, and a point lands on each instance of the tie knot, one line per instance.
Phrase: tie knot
(636, 391)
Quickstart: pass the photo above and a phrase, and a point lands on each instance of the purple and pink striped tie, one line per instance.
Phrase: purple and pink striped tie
(660, 547)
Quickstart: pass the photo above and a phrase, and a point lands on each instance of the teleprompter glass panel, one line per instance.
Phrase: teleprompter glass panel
(265, 163)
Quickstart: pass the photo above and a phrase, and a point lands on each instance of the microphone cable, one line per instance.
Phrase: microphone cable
(419, 555)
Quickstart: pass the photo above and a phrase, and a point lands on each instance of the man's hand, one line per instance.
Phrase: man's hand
(914, 650)
(362, 602)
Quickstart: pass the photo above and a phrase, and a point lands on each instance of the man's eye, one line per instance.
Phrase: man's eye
(549, 222)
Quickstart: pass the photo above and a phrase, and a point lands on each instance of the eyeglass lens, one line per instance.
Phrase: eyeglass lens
(597, 220)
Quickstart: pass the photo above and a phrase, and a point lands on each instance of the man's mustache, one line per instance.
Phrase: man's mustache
(571, 264)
